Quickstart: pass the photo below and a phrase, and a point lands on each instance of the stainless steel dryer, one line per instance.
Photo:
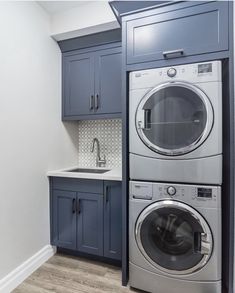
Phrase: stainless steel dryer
(175, 238)
(175, 119)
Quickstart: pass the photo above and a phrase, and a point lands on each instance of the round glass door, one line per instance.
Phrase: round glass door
(173, 237)
(174, 118)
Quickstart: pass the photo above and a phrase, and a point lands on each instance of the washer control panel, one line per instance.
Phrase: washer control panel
(203, 195)
(208, 196)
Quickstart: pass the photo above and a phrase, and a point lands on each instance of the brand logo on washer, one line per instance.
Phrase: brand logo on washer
(141, 74)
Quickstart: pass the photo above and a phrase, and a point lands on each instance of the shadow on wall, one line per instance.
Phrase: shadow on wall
(71, 128)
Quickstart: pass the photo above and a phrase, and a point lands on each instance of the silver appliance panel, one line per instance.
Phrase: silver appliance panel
(205, 196)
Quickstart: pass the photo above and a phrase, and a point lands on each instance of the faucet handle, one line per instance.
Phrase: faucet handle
(102, 161)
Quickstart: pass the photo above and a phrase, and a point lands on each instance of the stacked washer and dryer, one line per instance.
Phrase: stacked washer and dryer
(175, 143)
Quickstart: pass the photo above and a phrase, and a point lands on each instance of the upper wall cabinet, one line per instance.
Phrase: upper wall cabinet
(192, 30)
(92, 83)
(108, 81)
(78, 82)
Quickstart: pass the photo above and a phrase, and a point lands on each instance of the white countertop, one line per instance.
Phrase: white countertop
(114, 174)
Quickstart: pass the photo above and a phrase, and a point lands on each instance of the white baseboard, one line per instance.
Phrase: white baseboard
(18, 275)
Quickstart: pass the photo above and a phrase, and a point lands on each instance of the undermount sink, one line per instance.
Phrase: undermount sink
(87, 170)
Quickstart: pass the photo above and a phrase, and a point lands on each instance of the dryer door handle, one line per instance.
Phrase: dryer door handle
(144, 121)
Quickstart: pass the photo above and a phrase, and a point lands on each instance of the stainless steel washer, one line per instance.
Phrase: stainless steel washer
(176, 124)
(175, 237)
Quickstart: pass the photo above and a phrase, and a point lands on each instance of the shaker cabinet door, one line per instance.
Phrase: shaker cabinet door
(64, 219)
(90, 223)
(108, 81)
(113, 219)
(78, 84)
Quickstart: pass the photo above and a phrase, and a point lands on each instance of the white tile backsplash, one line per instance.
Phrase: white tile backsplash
(109, 133)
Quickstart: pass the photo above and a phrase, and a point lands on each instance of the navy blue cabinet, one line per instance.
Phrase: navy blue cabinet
(64, 219)
(90, 223)
(112, 220)
(86, 216)
(192, 30)
(108, 81)
(92, 83)
(78, 84)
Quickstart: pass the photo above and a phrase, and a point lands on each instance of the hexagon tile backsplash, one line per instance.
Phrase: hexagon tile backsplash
(109, 133)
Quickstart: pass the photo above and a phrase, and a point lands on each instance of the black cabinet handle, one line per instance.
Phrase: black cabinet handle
(91, 102)
(173, 53)
(106, 194)
(78, 207)
(74, 206)
(96, 101)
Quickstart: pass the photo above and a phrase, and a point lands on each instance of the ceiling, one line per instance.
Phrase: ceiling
(53, 7)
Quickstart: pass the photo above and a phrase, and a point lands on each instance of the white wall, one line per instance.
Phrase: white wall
(91, 17)
(32, 137)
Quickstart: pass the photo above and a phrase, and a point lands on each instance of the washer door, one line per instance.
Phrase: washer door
(174, 237)
(174, 118)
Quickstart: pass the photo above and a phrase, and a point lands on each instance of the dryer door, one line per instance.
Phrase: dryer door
(174, 118)
(174, 237)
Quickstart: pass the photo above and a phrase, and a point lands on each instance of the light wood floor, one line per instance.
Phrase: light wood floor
(66, 274)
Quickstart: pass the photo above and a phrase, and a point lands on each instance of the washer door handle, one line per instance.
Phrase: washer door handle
(197, 242)
(205, 244)
(201, 243)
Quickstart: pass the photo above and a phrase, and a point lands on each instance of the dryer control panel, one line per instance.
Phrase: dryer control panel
(192, 73)
(196, 195)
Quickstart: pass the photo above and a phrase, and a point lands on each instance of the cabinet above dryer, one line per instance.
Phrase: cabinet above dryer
(92, 83)
(177, 30)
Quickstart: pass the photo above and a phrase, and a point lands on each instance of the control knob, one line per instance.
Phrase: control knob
(171, 72)
(171, 190)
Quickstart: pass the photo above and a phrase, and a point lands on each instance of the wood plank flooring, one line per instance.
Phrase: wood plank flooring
(67, 274)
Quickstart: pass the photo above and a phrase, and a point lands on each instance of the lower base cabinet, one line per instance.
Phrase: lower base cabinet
(86, 216)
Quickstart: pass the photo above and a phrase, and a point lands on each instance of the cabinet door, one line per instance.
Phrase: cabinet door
(112, 220)
(78, 84)
(184, 32)
(64, 219)
(90, 223)
(108, 81)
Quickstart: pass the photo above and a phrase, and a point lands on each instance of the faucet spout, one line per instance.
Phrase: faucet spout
(96, 141)
(99, 161)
